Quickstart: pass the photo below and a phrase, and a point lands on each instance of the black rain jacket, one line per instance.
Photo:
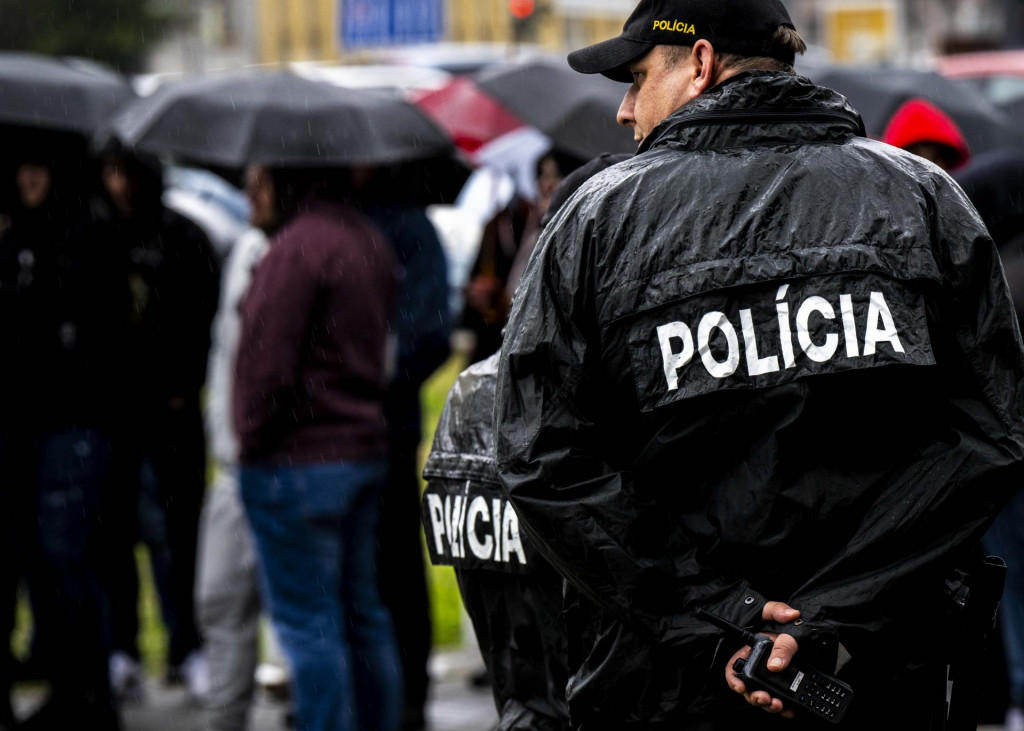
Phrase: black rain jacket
(512, 595)
(63, 319)
(174, 278)
(765, 359)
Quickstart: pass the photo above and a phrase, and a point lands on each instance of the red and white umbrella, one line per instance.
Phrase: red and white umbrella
(470, 116)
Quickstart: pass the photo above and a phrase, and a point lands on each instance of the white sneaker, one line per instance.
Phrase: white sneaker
(127, 682)
(273, 679)
(196, 672)
(1014, 719)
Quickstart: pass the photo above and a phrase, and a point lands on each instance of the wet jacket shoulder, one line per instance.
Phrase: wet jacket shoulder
(765, 359)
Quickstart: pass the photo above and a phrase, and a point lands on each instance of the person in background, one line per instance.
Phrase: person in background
(63, 312)
(173, 275)
(485, 303)
(507, 243)
(308, 410)
(23, 145)
(422, 325)
(994, 181)
(717, 394)
(575, 179)
(228, 604)
(552, 167)
(923, 129)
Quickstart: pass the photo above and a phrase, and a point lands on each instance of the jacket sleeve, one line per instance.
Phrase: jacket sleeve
(619, 549)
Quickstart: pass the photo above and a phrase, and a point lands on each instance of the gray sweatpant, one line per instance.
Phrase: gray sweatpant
(227, 605)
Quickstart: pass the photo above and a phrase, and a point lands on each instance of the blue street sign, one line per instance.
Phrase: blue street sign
(390, 22)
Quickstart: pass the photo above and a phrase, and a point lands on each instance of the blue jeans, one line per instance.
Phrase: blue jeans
(154, 532)
(1006, 539)
(72, 476)
(316, 534)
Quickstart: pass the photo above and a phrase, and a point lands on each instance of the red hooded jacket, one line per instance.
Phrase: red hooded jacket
(919, 121)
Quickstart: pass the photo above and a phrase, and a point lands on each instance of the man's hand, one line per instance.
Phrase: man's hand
(782, 653)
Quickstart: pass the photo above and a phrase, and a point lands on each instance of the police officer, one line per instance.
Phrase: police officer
(767, 368)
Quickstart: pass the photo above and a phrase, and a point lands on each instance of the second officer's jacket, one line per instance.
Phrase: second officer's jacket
(764, 359)
(511, 594)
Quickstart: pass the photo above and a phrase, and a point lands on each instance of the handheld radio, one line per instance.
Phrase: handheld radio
(799, 685)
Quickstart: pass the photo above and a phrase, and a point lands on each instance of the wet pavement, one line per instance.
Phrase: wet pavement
(455, 704)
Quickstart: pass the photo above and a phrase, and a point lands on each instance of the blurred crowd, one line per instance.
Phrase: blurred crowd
(155, 362)
(107, 298)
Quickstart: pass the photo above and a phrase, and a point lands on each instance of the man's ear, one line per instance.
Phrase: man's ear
(703, 56)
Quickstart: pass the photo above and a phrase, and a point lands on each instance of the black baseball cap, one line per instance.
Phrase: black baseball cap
(744, 27)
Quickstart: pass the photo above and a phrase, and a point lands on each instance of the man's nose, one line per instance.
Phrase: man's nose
(625, 113)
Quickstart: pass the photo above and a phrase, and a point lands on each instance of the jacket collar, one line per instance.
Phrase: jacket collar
(758, 107)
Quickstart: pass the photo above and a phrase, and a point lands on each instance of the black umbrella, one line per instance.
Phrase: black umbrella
(577, 111)
(995, 184)
(277, 119)
(878, 91)
(1014, 109)
(58, 94)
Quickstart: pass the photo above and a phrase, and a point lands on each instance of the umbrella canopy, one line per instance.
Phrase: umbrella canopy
(58, 94)
(577, 111)
(995, 184)
(470, 117)
(277, 119)
(1013, 109)
(877, 92)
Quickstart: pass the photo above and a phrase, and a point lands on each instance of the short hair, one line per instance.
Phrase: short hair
(785, 38)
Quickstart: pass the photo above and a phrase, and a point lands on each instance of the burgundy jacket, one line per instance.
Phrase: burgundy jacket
(310, 371)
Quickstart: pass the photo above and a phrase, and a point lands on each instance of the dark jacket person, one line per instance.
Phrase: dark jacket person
(768, 368)
(173, 277)
(63, 314)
